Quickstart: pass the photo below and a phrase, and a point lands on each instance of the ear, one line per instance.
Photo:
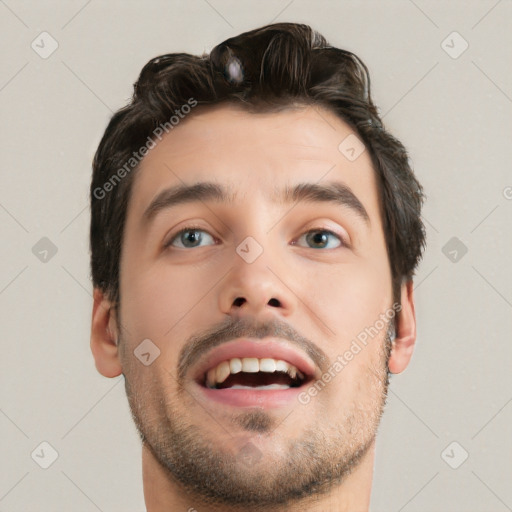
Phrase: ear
(104, 335)
(403, 345)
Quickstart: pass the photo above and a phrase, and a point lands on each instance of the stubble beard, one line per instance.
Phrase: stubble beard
(311, 465)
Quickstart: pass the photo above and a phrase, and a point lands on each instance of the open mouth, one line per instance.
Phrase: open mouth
(254, 374)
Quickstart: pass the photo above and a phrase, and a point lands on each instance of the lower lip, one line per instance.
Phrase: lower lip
(265, 398)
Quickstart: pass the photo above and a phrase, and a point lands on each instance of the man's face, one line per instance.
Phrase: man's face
(299, 281)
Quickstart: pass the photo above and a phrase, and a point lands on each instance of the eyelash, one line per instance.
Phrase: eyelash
(343, 242)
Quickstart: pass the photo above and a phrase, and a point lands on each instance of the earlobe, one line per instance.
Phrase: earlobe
(104, 334)
(403, 344)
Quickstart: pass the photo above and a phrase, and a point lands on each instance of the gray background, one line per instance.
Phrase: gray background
(453, 114)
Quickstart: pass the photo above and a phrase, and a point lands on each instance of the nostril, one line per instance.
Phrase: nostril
(240, 300)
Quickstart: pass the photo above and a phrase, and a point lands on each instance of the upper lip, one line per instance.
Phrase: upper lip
(274, 348)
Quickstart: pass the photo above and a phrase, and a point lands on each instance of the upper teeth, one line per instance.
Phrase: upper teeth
(221, 372)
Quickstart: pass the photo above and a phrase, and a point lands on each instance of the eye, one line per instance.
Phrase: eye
(189, 238)
(319, 239)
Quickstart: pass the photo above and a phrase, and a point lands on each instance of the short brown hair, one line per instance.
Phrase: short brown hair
(268, 68)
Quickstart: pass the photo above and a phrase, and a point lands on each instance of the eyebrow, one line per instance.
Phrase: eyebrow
(331, 192)
(183, 194)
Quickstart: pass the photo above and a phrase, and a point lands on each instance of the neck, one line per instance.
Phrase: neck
(163, 494)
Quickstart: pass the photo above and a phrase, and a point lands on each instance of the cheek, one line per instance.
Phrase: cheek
(157, 302)
(347, 298)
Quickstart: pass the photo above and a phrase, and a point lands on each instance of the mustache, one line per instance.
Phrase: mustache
(247, 327)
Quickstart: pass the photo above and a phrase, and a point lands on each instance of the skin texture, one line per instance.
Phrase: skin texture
(313, 457)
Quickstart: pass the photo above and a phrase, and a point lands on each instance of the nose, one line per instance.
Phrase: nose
(256, 289)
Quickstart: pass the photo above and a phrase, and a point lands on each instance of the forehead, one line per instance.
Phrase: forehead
(254, 153)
